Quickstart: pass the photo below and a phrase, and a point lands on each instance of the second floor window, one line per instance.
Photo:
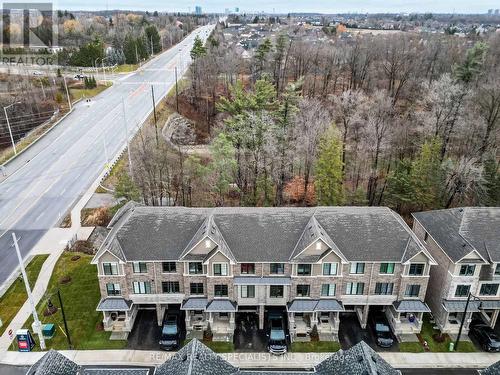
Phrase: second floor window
(195, 268)
(110, 268)
(357, 268)
(248, 291)
(462, 290)
(170, 287)
(416, 269)
(355, 288)
(139, 267)
(113, 289)
(276, 291)
(141, 287)
(497, 270)
(383, 288)
(303, 290)
(247, 268)
(467, 270)
(330, 269)
(220, 290)
(196, 288)
(277, 268)
(327, 290)
(412, 290)
(387, 268)
(169, 267)
(220, 269)
(488, 290)
(304, 269)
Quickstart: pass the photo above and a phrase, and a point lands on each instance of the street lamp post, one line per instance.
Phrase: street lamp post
(70, 345)
(463, 317)
(8, 125)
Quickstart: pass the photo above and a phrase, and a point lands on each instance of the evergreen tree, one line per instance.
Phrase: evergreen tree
(198, 49)
(125, 188)
(329, 188)
(427, 176)
(491, 177)
(400, 192)
(152, 35)
(473, 63)
(222, 167)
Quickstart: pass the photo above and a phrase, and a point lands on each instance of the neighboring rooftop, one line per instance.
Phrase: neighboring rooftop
(459, 231)
(261, 234)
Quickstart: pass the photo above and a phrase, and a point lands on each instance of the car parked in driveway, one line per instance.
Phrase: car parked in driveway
(382, 331)
(276, 336)
(486, 337)
(170, 332)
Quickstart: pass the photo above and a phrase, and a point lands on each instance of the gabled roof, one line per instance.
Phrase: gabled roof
(196, 359)
(461, 231)
(53, 363)
(264, 234)
(358, 360)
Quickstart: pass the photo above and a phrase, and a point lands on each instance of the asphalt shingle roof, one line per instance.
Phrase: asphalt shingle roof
(221, 305)
(494, 369)
(114, 304)
(410, 305)
(459, 306)
(248, 234)
(53, 363)
(458, 231)
(195, 303)
(196, 359)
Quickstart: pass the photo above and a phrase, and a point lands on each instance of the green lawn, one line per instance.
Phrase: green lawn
(427, 333)
(216, 346)
(15, 296)
(315, 347)
(126, 68)
(411, 347)
(80, 297)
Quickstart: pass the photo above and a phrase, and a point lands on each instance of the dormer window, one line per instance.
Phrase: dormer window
(467, 269)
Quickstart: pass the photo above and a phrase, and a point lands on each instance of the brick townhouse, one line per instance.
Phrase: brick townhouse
(466, 244)
(313, 264)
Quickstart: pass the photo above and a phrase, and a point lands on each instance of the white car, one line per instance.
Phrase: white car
(37, 73)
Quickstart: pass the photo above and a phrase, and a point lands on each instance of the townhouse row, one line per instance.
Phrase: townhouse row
(312, 264)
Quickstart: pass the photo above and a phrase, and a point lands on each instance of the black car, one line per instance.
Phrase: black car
(488, 339)
(276, 334)
(382, 331)
(170, 332)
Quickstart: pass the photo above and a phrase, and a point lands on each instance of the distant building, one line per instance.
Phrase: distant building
(197, 10)
(497, 12)
(490, 11)
(236, 10)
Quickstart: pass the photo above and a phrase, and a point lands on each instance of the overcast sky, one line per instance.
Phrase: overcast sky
(284, 6)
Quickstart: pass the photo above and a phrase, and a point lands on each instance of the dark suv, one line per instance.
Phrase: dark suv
(382, 331)
(170, 332)
(276, 334)
(488, 339)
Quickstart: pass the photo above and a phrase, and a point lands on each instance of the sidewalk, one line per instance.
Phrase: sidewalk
(258, 360)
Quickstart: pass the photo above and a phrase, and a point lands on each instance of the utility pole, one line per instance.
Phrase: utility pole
(36, 323)
(176, 91)
(137, 55)
(152, 52)
(131, 171)
(67, 93)
(154, 114)
(70, 345)
(8, 126)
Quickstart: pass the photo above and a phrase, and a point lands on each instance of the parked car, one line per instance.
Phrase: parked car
(170, 332)
(37, 73)
(80, 76)
(382, 331)
(486, 337)
(276, 336)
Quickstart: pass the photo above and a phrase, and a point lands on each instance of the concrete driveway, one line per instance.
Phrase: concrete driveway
(247, 335)
(350, 333)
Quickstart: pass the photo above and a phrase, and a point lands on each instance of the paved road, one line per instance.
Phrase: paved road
(54, 174)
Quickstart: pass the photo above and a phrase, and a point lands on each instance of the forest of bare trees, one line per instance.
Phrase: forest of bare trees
(408, 120)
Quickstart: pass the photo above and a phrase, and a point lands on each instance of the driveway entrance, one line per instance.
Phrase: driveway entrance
(247, 335)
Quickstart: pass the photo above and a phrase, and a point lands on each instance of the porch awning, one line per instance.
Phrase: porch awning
(194, 304)
(490, 304)
(329, 305)
(310, 305)
(221, 305)
(114, 304)
(270, 280)
(459, 306)
(410, 305)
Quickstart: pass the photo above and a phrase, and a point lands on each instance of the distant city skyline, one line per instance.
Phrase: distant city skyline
(285, 6)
